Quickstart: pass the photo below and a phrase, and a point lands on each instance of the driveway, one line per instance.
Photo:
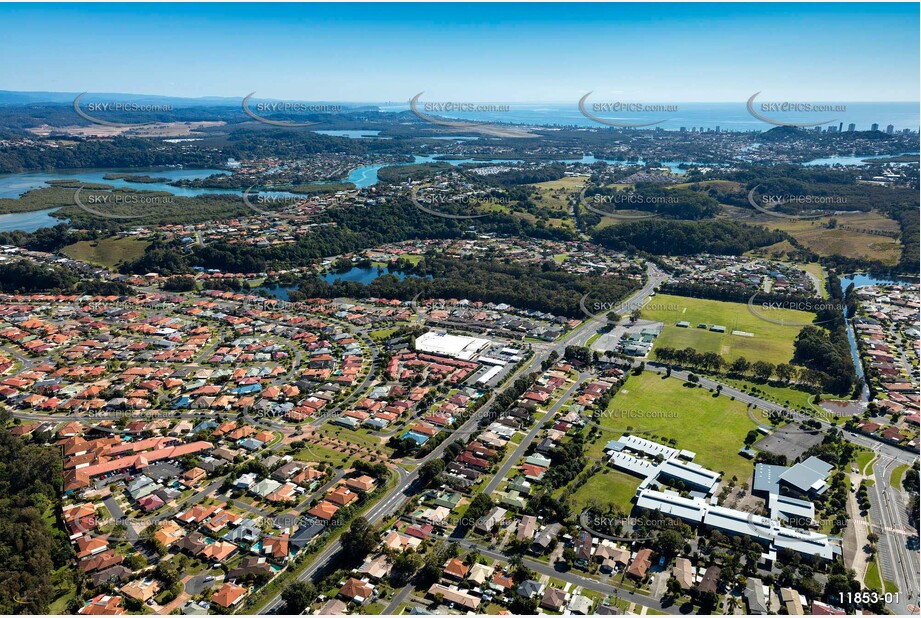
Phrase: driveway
(196, 584)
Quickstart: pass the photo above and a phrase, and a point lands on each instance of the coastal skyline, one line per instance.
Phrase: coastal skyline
(373, 53)
(460, 309)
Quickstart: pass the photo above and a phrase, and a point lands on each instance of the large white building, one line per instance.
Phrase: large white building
(455, 346)
(670, 464)
(770, 532)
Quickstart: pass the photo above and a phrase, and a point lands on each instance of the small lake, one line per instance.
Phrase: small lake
(861, 280)
(366, 175)
(359, 274)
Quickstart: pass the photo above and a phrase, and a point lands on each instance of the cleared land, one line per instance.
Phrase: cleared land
(853, 236)
(383, 333)
(568, 184)
(107, 252)
(712, 427)
(722, 185)
(322, 454)
(554, 195)
(771, 342)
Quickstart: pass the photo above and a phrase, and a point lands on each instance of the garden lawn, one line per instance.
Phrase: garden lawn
(608, 486)
(895, 479)
(106, 252)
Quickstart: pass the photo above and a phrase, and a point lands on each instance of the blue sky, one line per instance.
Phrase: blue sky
(467, 52)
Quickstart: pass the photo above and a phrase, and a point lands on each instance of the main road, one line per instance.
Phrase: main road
(898, 563)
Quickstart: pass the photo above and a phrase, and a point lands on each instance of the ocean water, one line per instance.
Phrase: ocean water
(726, 116)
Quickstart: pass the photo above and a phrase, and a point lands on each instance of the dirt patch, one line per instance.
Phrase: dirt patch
(845, 407)
(160, 129)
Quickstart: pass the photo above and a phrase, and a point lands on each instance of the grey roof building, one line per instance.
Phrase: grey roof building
(754, 596)
(808, 477)
(767, 479)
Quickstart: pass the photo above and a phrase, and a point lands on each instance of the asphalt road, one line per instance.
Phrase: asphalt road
(898, 563)
(398, 599)
(531, 435)
(578, 580)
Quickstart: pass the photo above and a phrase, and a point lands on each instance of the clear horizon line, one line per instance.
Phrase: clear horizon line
(452, 99)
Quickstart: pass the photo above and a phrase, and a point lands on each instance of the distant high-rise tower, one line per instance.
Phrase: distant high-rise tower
(890, 129)
(717, 128)
(874, 127)
(840, 127)
(683, 129)
(851, 127)
(832, 129)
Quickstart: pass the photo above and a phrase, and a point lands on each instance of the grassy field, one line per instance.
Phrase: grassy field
(712, 427)
(361, 437)
(874, 579)
(384, 333)
(727, 185)
(863, 460)
(778, 251)
(554, 196)
(107, 252)
(568, 184)
(322, 454)
(607, 486)
(789, 397)
(848, 238)
(771, 342)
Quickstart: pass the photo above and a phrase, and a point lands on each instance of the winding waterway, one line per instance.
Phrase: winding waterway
(859, 281)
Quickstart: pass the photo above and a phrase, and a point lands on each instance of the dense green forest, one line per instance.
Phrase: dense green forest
(32, 546)
(686, 238)
(24, 276)
(353, 229)
(115, 153)
(672, 203)
(543, 288)
(824, 348)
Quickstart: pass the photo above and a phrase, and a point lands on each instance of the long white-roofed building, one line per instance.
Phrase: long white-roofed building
(770, 532)
(454, 346)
